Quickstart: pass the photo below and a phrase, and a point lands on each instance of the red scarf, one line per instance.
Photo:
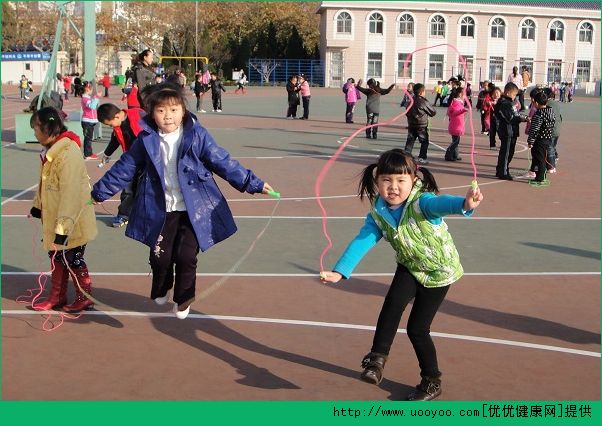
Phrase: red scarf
(69, 134)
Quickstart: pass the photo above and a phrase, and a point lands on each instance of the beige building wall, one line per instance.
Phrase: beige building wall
(354, 48)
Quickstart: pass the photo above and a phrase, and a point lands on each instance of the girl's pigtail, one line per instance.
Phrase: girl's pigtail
(428, 180)
(366, 187)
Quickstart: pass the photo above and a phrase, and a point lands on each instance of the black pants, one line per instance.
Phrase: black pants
(483, 116)
(426, 304)
(521, 99)
(423, 137)
(540, 152)
(292, 110)
(177, 246)
(106, 92)
(199, 101)
(452, 152)
(492, 131)
(507, 146)
(437, 98)
(217, 102)
(73, 256)
(88, 130)
(349, 112)
(371, 119)
(305, 100)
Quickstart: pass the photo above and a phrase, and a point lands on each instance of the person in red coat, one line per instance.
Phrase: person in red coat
(106, 82)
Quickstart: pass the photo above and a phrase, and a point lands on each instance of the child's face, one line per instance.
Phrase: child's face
(512, 94)
(395, 189)
(43, 138)
(116, 120)
(496, 94)
(168, 116)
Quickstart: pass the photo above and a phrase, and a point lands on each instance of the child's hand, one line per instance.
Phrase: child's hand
(473, 198)
(267, 189)
(330, 277)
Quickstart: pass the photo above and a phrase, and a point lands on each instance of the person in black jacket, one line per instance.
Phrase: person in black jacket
(507, 129)
(541, 135)
(292, 88)
(418, 116)
(216, 92)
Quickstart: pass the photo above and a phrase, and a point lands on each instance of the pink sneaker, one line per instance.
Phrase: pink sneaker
(552, 170)
(529, 175)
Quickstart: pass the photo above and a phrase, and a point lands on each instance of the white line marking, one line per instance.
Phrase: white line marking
(325, 325)
(365, 275)
(19, 194)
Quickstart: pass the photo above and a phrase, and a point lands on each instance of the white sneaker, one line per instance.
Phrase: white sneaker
(181, 314)
(162, 300)
(552, 170)
(529, 175)
(219, 110)
(203, 110)
(214, 111)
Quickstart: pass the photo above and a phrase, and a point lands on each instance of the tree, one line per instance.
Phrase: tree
(9, 28)
(294, 48)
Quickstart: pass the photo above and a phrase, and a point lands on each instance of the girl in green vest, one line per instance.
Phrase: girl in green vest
(407, 212)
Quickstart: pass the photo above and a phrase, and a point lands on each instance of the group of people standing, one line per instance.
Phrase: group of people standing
(299, 92)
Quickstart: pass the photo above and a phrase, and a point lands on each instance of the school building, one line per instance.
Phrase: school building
(556, 41)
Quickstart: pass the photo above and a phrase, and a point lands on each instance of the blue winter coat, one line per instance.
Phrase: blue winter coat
(198, 158)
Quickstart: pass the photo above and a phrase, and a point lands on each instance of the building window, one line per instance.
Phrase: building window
(436, 67)
(27, 67)
(344, 23)
(375, 24)
(401, 58)
(528, 63)
(556, 31)
(437, 26)
(375, 64)
(467, 27)
(583, 68)
(496, 68)
(554, 70)
(469, 65)
(406, 25)
(586, 31)
(498, 28)
(527, 30)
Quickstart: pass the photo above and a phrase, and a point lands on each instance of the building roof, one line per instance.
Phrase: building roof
(584, 5)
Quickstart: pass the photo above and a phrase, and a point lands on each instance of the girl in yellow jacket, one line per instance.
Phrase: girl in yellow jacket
(63, 204)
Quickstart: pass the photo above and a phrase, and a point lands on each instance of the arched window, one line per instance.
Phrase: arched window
(344, 23)
(586, 31)
(437, 26)
(527, 30)
(498, 28)
(375, 23)
(406, 25)
(556, 31)
(467, 27)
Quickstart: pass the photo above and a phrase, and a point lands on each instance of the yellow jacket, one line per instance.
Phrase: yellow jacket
(63, 194)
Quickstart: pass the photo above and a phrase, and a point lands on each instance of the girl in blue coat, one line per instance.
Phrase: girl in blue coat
(178, 207)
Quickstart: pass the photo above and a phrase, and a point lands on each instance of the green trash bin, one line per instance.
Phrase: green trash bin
(119, 80)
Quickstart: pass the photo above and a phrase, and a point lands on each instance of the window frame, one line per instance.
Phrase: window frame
(523, 27)
(401, 61)
(495, 25)
(338, 20)
(464, 25)
(372, 21)
(374, 64)
(433, 23)
(407, 23)
(498, 63)
(556, 29)
(433, 66)
(585, 31)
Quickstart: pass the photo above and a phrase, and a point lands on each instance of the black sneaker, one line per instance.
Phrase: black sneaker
(428, 389)
(373, 364)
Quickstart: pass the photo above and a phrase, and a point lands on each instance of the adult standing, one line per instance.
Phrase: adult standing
(106, 83)
(144, 73)
(305, 96)
(517, 79)
(526, 78)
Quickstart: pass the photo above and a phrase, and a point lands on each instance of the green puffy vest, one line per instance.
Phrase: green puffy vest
(426, 249)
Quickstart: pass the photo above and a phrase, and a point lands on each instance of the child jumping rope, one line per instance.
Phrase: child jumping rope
(373, 93)
(408, 214)
(62, 203)
(178, 207)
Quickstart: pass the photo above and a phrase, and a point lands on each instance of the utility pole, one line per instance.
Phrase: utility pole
(90, 43)
(196, 35)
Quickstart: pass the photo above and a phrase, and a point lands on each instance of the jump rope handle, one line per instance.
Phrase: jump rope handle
(474, 185)
(274, 194)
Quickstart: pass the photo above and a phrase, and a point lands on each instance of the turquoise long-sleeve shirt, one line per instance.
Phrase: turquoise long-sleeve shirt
(433, 207)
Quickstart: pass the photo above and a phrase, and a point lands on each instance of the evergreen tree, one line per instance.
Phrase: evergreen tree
(294, 48)
(167, 50)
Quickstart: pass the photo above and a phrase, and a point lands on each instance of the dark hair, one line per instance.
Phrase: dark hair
(418, 87)
(515, 71)
(106, 112)
(49, 121)
(540, 98)
(549, 92)
(510, 87)
(143, 54)
(162, 94)
(534, 91)
(455, 92)
(395, 161)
